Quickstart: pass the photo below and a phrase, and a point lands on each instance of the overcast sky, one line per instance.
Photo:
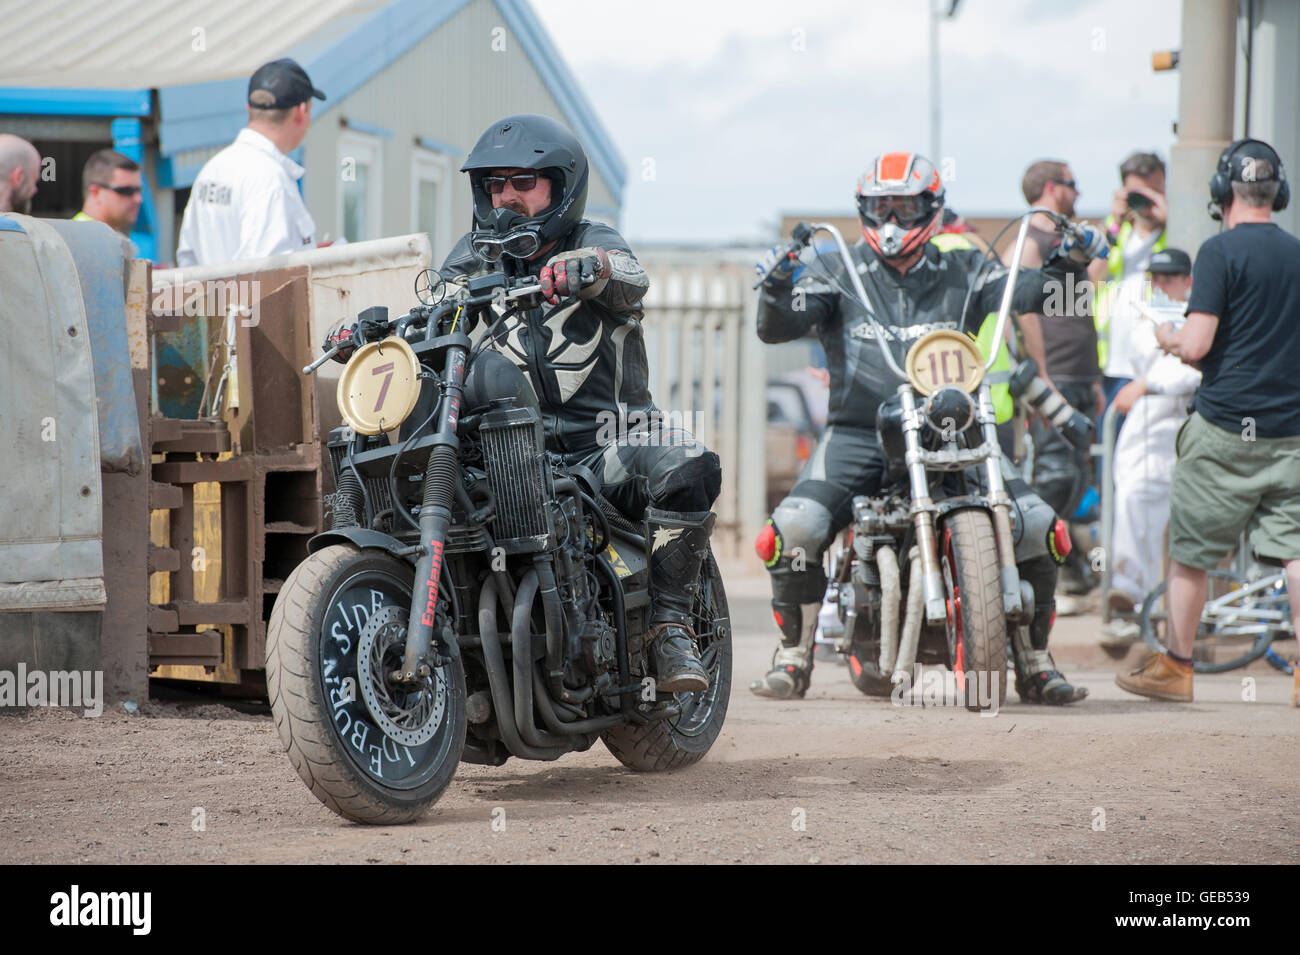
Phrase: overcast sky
(729, 113)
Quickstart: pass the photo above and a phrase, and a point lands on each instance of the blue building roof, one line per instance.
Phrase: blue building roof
(341, 55)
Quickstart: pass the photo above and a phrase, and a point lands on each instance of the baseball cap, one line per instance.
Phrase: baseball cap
(279, 85)
(1170, 262)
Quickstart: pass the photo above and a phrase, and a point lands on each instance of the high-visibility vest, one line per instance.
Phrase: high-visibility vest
(1107, 289)
(999, 375)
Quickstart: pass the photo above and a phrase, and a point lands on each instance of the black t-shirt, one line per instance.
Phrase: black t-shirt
(1249, 277)
(1069, 339)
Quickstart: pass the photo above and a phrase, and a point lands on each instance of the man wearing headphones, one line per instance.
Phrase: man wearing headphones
(1238, 462)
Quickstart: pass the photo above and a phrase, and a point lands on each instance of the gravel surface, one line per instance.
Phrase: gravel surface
(835, 777)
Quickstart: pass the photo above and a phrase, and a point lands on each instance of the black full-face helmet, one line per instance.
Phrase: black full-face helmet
(530, 141)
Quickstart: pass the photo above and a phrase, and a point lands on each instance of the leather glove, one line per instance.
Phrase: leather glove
(778, 264)
(342, 336)
(1092, 244)
(582, 272)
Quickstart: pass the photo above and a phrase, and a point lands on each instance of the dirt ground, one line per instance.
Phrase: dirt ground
(835, 777)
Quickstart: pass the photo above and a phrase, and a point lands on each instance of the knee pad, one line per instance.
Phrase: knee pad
(685, 477)
(1036, 532)
(790, 545)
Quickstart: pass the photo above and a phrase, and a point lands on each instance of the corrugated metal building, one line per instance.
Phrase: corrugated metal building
(410, 84)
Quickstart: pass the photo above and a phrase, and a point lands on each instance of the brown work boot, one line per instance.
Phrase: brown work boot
(1160, 677)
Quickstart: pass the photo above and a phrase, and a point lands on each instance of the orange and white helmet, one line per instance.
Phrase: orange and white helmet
(900, 203)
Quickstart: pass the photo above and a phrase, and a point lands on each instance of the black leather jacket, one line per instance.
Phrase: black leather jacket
(586, 359)
(928, 297)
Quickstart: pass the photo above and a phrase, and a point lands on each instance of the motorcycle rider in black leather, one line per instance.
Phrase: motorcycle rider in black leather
(585, 356)
(913, 287)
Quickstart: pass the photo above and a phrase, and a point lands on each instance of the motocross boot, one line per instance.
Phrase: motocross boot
(678, 545)
(1037, 679)
(792, 664)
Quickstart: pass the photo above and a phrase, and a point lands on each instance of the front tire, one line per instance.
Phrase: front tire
(324, 722)
(683, 740)
(976, 626)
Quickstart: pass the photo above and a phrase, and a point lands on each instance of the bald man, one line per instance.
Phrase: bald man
(20, 164)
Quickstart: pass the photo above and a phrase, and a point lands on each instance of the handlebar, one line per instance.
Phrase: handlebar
(495, 293)
(1008, 290)
(802, 235)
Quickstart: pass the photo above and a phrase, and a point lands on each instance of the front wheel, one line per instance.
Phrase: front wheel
(976, 626)
(684, 739)
(370, 750)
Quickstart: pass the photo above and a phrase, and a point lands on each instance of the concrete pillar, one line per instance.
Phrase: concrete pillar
(1271, 114)
(1206, 85)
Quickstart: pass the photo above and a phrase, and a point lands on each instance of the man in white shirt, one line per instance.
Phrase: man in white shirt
(1155, 405)
(245, 203)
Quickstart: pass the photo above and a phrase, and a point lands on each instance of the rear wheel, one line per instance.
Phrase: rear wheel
(976, 626)
(370, 750)
(684, 739)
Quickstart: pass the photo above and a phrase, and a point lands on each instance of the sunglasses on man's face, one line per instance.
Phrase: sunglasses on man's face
(520, 182)
(1068, 183)
(126, 192)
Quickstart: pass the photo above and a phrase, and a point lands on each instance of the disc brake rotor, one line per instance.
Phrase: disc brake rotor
(409, 716)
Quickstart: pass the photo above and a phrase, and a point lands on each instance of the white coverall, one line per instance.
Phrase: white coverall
(1144, 463)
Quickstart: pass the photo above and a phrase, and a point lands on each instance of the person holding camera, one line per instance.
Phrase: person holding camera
(1135, 229)
(1238, 465)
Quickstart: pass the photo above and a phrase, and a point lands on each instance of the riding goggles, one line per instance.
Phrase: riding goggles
(519, 245)
(905, 210)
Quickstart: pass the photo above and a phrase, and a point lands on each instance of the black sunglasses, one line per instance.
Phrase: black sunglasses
(1068, 183)
(521, 181)
(126, 192)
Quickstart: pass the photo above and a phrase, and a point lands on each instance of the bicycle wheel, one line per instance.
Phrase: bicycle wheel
(1232, 632)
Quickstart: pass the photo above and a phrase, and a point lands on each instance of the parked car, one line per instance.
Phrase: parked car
(796, 415)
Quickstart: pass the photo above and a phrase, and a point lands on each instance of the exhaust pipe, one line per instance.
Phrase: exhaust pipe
(912, 622)
(891, 595)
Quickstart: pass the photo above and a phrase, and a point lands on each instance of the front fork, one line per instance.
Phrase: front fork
(924, 512)
(439, 489)
(1000, 501)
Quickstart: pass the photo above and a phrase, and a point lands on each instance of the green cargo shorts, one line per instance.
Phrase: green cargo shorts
(1224, 484)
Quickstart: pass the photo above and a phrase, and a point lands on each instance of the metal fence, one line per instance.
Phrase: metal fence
(707, 371)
